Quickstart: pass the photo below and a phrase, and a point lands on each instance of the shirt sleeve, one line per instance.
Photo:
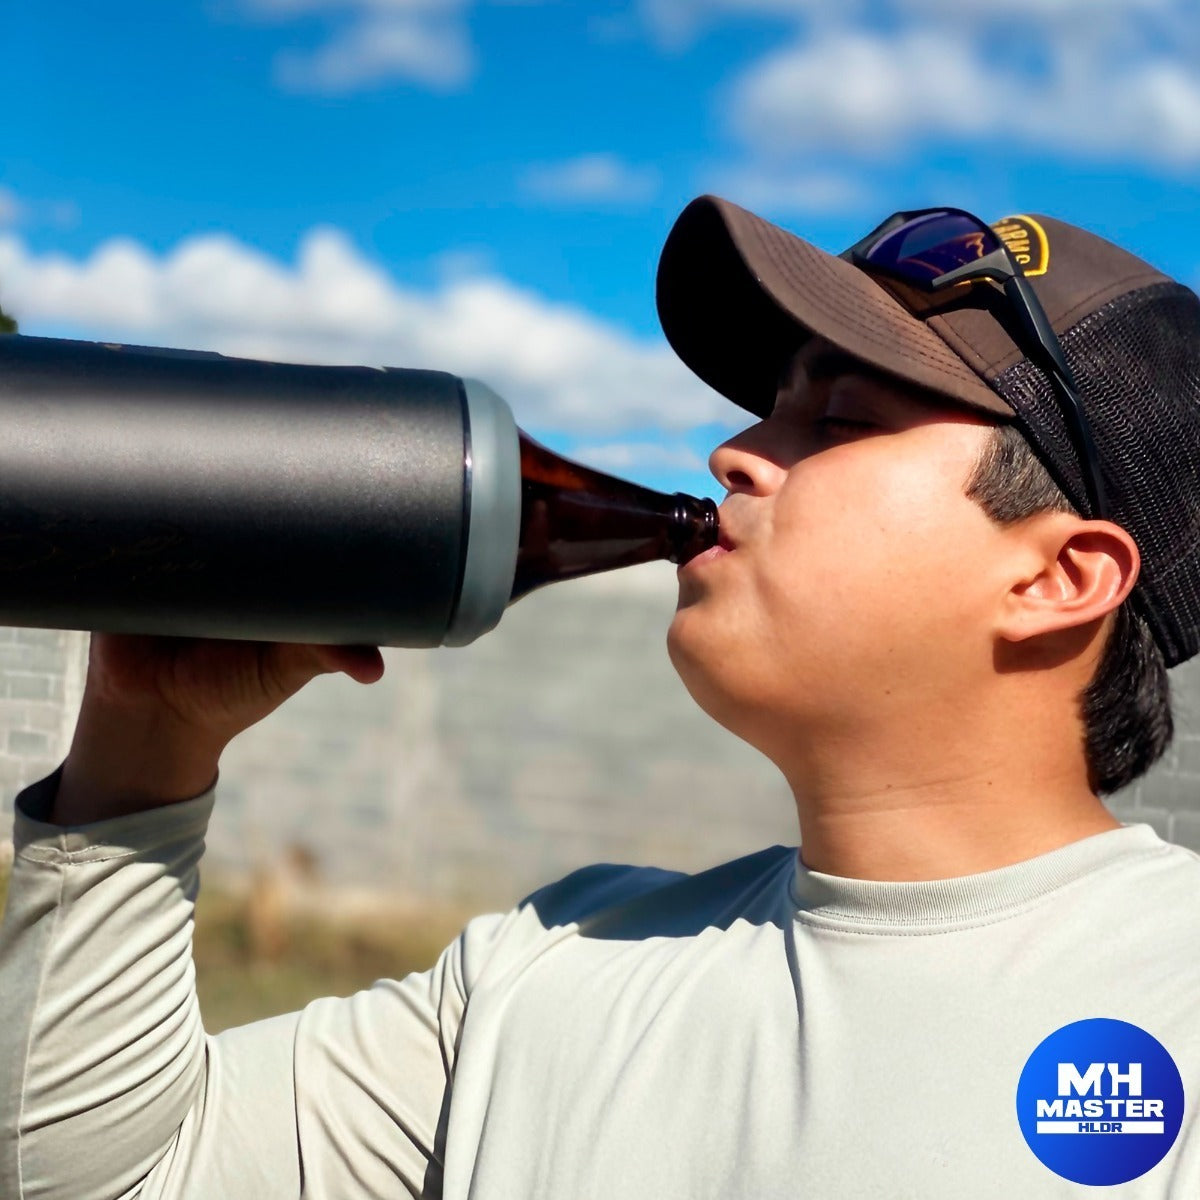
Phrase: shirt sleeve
(109, 1086)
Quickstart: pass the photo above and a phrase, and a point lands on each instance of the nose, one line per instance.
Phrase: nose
(742, 464)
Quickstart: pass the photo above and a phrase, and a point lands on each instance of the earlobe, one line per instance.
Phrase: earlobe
(1085, 570)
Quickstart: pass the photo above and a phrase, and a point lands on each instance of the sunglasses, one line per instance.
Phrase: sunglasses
(935, 249)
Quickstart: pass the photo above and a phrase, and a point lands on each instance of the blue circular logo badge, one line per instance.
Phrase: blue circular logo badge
(1100, 1101)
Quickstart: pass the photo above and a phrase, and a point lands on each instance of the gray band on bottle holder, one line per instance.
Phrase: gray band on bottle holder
(494, 524)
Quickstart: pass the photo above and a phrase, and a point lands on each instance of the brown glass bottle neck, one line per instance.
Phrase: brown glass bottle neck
(578, 521)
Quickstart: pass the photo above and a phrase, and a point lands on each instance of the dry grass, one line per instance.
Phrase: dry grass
(250, 966)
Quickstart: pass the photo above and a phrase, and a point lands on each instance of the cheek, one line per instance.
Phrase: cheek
(862, 566)
(875, 549)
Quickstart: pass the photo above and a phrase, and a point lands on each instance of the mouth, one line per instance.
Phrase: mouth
(725, 545)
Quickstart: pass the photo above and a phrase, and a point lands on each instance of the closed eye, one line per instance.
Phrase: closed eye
(844, 426)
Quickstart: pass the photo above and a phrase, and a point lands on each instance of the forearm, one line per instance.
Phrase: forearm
(101, 1046)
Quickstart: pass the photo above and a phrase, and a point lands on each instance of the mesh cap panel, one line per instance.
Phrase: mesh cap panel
(1136, 361)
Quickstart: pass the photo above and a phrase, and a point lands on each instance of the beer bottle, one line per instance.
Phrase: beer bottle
(576, 521)
(190, 494)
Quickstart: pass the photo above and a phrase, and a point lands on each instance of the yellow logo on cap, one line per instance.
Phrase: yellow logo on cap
(1027, 241)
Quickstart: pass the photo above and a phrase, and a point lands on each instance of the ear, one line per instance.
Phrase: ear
(1077, 572)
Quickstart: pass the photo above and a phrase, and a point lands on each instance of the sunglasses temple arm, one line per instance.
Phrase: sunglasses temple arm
(1032, 316)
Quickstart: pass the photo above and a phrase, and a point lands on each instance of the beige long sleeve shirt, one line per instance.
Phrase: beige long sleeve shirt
(754, 1031)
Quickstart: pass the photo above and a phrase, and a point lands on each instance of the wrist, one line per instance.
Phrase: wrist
(124, 760)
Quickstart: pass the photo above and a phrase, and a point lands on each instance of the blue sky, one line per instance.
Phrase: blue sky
(483, 186)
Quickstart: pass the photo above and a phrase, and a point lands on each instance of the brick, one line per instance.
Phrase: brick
(35, 770)
(28, 742)
(25, 686)
(40, 637)
(1185, 830)
(12, 776)
(46, 717)
(1159, 819)
(1187, 755)
(1174, 792)
(51, 660)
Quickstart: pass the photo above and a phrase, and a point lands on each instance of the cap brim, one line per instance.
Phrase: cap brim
(737, 296)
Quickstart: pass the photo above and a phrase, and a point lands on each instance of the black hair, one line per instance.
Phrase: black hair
(1126, 707)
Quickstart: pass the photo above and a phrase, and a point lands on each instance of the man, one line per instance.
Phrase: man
(960, 550)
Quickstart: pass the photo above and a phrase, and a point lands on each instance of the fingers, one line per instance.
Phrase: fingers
(364, 664)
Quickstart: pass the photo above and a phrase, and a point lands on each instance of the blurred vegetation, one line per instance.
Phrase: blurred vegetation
(247, 969)
(7, 324)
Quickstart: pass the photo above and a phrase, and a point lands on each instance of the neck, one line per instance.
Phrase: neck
(962, 795)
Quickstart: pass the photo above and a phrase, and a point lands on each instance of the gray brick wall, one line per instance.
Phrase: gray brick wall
(471, 776)
(41, 681)
(1168, 797)
(562, 738)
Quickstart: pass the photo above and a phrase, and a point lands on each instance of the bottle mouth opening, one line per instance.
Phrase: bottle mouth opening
(695, 528)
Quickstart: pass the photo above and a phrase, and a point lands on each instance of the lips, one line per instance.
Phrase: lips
(728, 533)
(727, 542)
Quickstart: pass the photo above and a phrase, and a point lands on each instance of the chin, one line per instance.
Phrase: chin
(720, 693)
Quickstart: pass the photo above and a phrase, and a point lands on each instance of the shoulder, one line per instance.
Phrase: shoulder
(1169, 883)
(616, 903)
(648, 900)
(1145, 904)
(1165, 869)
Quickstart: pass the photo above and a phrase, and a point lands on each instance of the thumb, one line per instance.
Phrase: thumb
(364, 664)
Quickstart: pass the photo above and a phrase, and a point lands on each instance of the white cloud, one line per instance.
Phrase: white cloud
(464, 262)
(1044, 11)
(677, 22)
(860, 91)
(794, 191)
(1098, 79)
(592, 178)
(11, 209)
(378, 50)
(868, 93)
(619, 457)
(376, 41)
(678, 18)
(559, 367)
(19, 210)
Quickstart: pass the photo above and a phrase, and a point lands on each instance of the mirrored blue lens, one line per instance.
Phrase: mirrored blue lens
(931, 245)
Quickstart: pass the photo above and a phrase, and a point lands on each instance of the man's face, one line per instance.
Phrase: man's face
(860, 576)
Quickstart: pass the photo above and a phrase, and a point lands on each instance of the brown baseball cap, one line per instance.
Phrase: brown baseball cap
(737, 296)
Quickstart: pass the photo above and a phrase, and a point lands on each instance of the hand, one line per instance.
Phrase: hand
(218, 688)
(157, 712)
